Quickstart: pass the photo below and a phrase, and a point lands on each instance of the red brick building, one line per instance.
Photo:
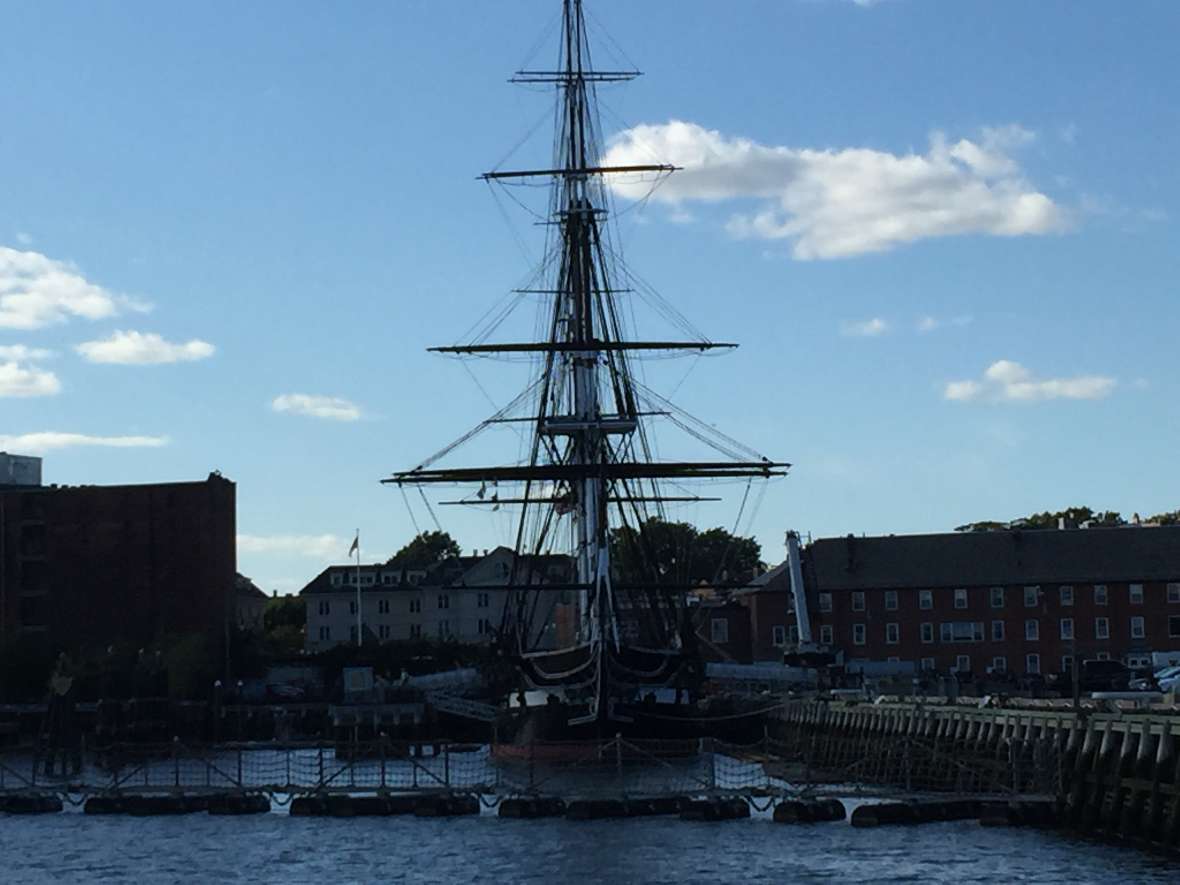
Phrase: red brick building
(1019, 601)
(94, 565)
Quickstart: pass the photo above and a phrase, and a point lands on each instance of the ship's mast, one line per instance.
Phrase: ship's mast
(577, 223)
(589, 458)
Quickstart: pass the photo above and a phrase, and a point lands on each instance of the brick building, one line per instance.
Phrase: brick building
(88, 566)
(1017, 601)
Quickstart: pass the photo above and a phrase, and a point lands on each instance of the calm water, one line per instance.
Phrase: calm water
(275, 848)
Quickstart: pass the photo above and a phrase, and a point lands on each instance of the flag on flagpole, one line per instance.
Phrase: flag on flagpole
(356, 543)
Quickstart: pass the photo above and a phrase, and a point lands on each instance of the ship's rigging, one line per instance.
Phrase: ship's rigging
(589, 466)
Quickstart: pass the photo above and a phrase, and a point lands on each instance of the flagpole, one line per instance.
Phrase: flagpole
(359, 623)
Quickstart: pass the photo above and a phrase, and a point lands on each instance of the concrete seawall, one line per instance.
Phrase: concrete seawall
(1111, 774)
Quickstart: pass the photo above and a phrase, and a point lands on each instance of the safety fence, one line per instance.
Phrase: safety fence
(612, 768)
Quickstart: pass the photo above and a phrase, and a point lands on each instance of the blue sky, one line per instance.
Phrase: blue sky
(944, 234)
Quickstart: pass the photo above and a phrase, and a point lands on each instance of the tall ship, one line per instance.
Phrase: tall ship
(607, 644)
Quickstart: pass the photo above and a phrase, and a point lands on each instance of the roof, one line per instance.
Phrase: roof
(450, 572)
(770, 580)
(996, 558)
(243, 586)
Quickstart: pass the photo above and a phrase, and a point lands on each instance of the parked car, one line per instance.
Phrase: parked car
(1098, 675)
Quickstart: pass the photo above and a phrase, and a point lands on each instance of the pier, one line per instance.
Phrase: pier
(1106, 770)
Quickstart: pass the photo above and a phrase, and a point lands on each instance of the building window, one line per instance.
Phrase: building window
(1067, 628)
(825, 602)
(1174, 593)
(1000, 664)
(387, 578)
(719, 630)
(415, 631)
(352, 633)
(1065, 594)
(336, 578)
(825, 634)
(1103, 656)
(444, 628)
(926, 599)
(484, 628)
(325, 634)
(792, 634)
(960, 598)
(890, 600)
(997, 597)
(858, 634)
(1100, 594)
(366, 579)
(1067, 663)
(963, 663)
(1032, 595)
(1032, 663)
(997, 631)
(352, 606)
(483, 600)
(892, 634)
(1136, 594)
(325, 607)
(927, 633)
(415, 606)
(383, 631)
(1173, 627)
(927, 663)
(961, 631)
(858, 601)
(1101, 628)
(778, 635)
(382, 606)
(1137, 628)
(1032, 629)
(444, 601)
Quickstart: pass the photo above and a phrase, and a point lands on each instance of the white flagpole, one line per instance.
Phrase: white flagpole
(359, 623)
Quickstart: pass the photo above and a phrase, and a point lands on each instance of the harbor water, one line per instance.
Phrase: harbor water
(73, 847)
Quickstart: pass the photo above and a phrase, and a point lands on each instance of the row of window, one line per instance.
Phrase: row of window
(1033, 597)
(482, 600)
(385, 631)
(368, 580)
(973, 631)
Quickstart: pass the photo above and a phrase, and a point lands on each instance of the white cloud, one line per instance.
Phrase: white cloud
(34, 443)
(23, 353)
(317, 546)
(331, 407)
(1008, 381)
(17, 379)
(143, 348)
(836, 203)
(865, 328)
(931, 323)
(37, 291)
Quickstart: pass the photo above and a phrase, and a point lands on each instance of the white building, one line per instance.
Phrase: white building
(443, 601)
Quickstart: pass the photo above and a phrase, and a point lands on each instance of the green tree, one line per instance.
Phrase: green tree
(1171, 518)
(426, 549)
(284, 611)
(678, 553)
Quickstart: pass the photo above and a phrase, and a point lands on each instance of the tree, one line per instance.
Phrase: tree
(284, 611)
(678, 553)
(1073, 516)
(1172, 518)
(425, 550)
